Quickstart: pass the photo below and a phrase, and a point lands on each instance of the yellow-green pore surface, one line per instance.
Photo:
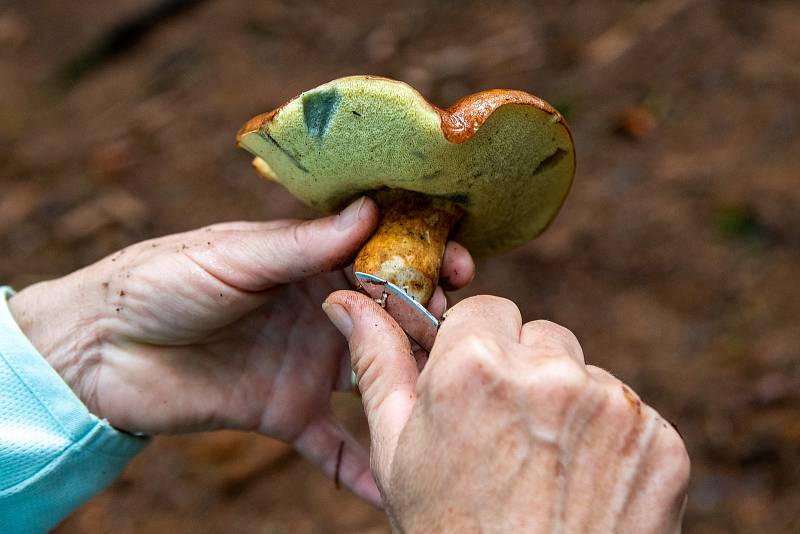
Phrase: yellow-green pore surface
(361, 134)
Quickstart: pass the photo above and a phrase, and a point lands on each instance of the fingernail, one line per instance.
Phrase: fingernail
(339, 318)
(349, 216)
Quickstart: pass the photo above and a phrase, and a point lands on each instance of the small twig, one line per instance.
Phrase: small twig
(338, 465)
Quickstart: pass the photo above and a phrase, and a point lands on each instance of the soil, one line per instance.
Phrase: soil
(676, 259)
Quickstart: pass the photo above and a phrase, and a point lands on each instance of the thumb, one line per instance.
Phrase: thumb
(257, 256)
(385, 366)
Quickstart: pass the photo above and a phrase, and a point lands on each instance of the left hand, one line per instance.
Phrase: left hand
(217, 328)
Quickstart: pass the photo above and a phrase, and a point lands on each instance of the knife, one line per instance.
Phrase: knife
(417, 322)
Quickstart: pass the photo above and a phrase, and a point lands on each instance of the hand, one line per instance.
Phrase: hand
(506, 429)
(217, 328)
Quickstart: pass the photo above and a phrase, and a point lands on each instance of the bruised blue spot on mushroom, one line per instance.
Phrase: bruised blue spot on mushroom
(319, 107)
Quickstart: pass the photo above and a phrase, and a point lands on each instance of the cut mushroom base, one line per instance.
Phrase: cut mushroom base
(490, 172)
(408, 246)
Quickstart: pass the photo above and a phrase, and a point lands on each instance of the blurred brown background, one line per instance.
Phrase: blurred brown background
(676, 259)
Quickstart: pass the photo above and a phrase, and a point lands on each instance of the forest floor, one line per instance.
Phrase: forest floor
(676, 259)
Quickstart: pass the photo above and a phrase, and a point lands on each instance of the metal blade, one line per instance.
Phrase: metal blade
(420, 325)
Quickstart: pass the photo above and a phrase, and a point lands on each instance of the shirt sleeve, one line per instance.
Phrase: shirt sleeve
(54, 454)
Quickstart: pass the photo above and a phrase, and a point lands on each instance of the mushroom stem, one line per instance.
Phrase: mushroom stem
(408, 246)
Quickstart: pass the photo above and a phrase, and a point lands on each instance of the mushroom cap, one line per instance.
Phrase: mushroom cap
(506, 157)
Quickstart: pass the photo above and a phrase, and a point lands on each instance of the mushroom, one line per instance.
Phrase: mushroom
(491, 171)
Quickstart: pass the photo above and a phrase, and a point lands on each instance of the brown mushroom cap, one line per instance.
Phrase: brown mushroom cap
(506, 157)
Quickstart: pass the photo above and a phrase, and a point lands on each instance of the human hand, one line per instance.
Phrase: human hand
(506, 429)
(217, 328)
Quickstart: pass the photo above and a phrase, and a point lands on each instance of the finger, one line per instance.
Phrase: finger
(385, 367)
(458, 268)
(438, 303)
(551, 339)
(257, 260)
(321, 443)
(662, 478)
(490, 318)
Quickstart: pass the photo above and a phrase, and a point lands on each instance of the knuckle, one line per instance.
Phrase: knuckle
(602, 375)
(475, 360)
(560, 380)
(480, 354)
(554, 330)
(486, 305)
(552, 338)
(475, 346)
(297, 238)
(495, 301)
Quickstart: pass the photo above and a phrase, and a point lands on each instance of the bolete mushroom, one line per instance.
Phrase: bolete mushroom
(491, 171)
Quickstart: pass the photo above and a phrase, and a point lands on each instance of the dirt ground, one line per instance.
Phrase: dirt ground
(676, 259)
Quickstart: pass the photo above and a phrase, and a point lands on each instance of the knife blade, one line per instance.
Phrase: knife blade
(415, 320)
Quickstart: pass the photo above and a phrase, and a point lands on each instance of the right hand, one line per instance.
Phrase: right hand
(506, 429)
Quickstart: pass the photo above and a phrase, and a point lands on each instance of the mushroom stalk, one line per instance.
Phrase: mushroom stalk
(408, 246)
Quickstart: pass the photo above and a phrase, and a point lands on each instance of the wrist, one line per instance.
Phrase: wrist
(60, 320)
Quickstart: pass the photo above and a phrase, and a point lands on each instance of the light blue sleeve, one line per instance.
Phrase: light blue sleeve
(54, 454)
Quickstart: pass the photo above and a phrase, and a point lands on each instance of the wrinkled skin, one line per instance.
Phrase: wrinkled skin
(506, 429)
(217, 328)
